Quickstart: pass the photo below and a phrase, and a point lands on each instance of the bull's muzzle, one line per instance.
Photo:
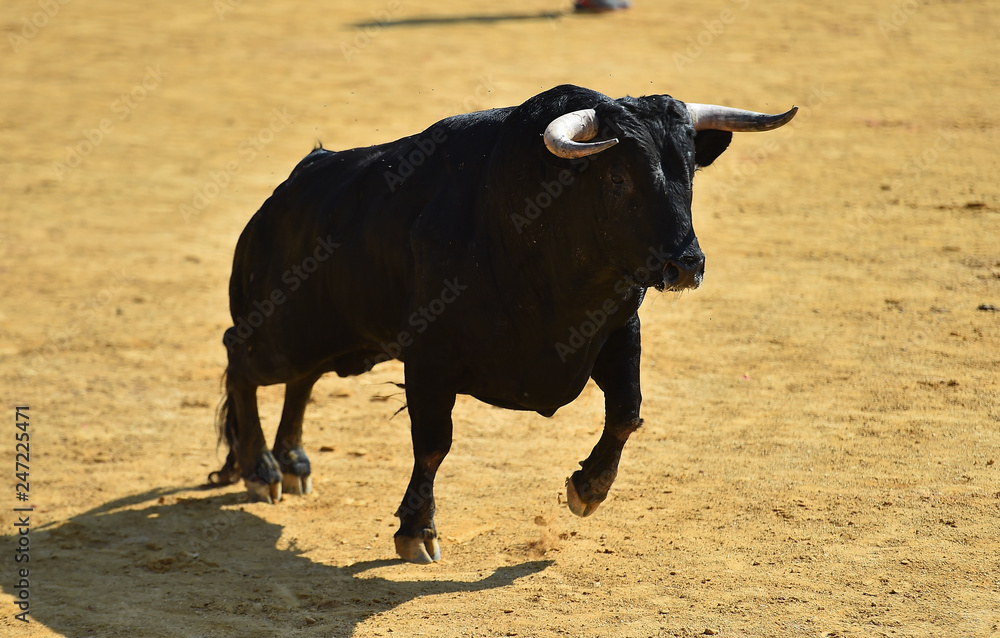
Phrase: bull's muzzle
(685, 272)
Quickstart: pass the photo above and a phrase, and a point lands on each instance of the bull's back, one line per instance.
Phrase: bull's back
(307, 279)
(341, 248)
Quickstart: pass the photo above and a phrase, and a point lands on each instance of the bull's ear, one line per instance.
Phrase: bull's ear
(709, 144)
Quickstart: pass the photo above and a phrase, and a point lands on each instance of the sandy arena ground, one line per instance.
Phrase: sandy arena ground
(822, 438)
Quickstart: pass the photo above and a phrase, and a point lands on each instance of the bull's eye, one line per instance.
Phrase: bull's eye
(617, 178)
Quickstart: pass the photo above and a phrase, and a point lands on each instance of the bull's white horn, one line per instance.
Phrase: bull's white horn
(723, 118)
(567, 135)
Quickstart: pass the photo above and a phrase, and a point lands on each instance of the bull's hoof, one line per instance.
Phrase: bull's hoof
(225, 476)
(264, 483)
(261, 492)
(295, 470)
(576, 504)
(423, 549)
(295, 484)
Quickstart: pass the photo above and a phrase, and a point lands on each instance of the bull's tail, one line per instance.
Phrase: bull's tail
(226, 418)
(229, 432)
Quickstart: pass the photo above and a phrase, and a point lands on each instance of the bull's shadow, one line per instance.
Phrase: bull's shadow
(143, 566)
(485, 18)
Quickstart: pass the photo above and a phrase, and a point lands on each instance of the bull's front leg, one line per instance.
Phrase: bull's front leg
(430, 406)
(616, 372)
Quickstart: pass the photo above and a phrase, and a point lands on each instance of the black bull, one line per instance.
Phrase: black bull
(492, 264)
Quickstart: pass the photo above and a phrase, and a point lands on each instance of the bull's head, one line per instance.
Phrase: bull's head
(643, 186)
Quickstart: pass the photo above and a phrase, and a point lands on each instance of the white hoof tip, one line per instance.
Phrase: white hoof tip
(295, 484)
(418, 550)
(435, 550)
(263, 492)
(218, 479)
(576, 504)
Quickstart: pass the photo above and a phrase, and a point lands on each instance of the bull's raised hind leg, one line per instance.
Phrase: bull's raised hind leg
(295, 468)
(616, 372)
(431, 429)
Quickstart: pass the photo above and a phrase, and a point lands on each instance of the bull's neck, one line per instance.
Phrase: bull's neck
(530, 258)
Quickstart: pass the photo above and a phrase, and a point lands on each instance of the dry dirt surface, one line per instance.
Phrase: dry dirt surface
(820, 455)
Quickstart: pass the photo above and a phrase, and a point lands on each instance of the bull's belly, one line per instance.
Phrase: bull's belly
(540, 388)
(544, 405)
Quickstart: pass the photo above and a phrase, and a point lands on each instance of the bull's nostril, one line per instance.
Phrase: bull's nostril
(671, 273)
